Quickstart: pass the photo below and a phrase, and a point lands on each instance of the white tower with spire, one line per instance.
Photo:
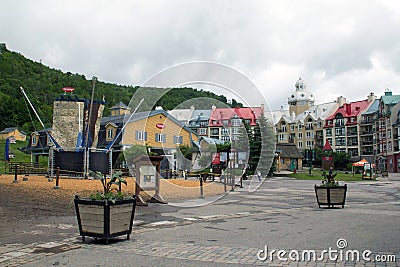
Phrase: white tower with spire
(300, 100)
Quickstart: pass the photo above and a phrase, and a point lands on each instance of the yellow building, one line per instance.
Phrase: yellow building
(13, 132)
(156, 129)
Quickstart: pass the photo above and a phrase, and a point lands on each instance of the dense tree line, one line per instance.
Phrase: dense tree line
(43, 85)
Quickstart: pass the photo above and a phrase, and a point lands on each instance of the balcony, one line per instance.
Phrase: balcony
(352, 144)
(366, 132)
(366, 122)
(367, 142)
(349, 133)
(309, 127)
(319, 137)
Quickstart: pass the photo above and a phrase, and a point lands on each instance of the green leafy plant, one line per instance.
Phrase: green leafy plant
(329, 180)
(111, 186)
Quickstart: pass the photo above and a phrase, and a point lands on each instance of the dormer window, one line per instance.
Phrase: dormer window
(111, 130)
(110, 134)
(34, 140)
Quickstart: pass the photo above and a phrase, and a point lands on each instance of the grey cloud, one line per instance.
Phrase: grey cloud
(126, 42)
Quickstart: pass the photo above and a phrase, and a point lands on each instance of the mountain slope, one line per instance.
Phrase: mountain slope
(43, 84)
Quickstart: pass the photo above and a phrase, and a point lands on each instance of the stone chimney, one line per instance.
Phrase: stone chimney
(371, 97)
(341, 101)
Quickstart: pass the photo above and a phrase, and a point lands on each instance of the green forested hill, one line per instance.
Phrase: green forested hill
(43, 84)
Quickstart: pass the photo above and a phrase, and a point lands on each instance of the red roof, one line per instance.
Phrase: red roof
(248, 113)
(327, 146)
(352, 109)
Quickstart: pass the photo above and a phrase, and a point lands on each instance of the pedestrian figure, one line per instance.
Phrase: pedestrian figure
(244, 176)
(259, 176)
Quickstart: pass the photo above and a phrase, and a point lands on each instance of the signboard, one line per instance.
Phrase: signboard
(147, 177)
(160, 125)
(327, 158)
(367, 166)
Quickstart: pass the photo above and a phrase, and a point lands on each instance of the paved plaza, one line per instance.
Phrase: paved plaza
(240, 229)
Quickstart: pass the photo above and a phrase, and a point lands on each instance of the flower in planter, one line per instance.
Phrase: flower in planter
(111, 186)
(329, 179)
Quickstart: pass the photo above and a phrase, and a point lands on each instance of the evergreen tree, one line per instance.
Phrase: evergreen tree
(267, 152)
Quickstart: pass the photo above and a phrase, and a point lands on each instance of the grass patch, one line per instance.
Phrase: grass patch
(19, 155)
(317, 175)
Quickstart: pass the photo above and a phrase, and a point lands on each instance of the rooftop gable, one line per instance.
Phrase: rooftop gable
(351, 109)
(120, 105)
(248, 113)
(373, 108)
(390, 99)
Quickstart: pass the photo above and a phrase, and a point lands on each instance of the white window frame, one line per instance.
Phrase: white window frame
(178, 139)
(110, 133)
(140, 135)
(160, 138)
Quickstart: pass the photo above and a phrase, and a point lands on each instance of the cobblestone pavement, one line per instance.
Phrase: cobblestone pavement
(151, 244)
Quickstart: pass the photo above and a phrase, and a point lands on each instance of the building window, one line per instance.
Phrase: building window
(178, 139)
(236, 122)
(300, 144)
(339, 131)
(309, 143)
(328, 132)
(292, 127)
(225, 131)
(309, 135)
(300, 136)
(160, 138)
(225, 138)
(282, 137)
(110, 134)
(141, 136)
(34, 140)
(203, 131)
(299, 127)
(341, 141)
(214, 131)
(204, 123)
(389, 134)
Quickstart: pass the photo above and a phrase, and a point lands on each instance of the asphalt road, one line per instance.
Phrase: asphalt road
(281, 215)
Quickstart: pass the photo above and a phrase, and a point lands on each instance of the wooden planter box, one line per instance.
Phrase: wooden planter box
(331, 195)
(104, 219)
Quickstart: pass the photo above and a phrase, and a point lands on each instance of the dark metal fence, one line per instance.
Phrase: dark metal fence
(25, 168)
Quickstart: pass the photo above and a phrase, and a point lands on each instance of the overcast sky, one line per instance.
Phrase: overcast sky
(348, 48)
